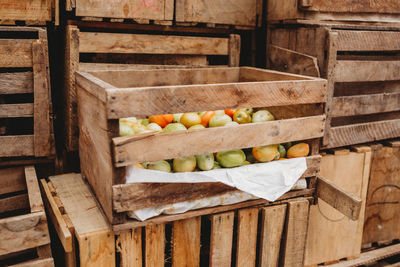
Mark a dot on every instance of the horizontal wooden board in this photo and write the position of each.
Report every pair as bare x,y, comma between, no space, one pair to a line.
16,145
96,42
16,110
351,6
367,41
365,104
12,180
16,202
16,82
15,53
36,10
363,133
139,148
135,196
366,71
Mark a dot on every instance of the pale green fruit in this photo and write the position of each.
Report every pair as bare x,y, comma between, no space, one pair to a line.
219,120
177,117
154,127
145,122
187,164
125,129
161,165
174,127
231,158
197,126
262,116
205,162
282,151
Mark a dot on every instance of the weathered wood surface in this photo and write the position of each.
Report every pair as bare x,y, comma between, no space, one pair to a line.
16,110
15,53
367,40
135,149
12,180
234,12
48,262
221,239
17,145
366,71
153,10
186,242
16,82
246,243
363,6
34,10
155,245
35,198
16,202
129,246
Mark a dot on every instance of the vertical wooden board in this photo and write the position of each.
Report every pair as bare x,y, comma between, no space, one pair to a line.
41,112
221,239
295,233
155,245
272,224
382,214
35,198
246,237
129,245
234,50
97,249
331,235
186,242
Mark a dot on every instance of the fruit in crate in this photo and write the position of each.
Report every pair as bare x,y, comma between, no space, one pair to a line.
231,158
265,153
282,151
161,165
262,116
125,129
205,162
229,112
162,120
174,127
177,117
219,120
231,123
190,119
241,116
197,126
187,164
298,150
206,117
154,127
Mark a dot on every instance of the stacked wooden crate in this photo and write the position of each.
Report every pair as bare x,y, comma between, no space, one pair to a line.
28,12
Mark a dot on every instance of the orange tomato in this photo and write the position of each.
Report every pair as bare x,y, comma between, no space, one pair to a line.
162,120
298,150
229,112
282,158
205,119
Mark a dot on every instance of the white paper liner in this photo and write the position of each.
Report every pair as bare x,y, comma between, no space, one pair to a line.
264,180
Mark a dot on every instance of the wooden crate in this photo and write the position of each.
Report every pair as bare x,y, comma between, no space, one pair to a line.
101,103
382,213
24,234
244,14
331,236
32,12
140,11
341,11
90,51
26,128
266,234
361,66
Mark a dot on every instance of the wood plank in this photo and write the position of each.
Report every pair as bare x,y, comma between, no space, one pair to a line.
16,110
49,262
155,245
35,198
135,149
129,245
41,118
93,42
186,242
376,6
294,241
367,40
153,10
16,82
365,104
97,249
366,71
57,220
15,53
23,232
37,10
221,239
272,224
12,180
246,245
12,203
363,133
234,46
16,145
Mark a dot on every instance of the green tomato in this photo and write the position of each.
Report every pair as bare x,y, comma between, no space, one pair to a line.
174,127
125,129
262,116
219,120
187,164
205,162
282,151
154,127
241,116
231,158
197,126
161,165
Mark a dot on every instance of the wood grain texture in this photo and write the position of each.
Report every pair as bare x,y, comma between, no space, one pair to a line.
36,10
48,262
16,82
153,10
12,180
367,40
135,149
16,110
17,202
15,53
363,6
246,242
155,245
221,239
294,241
383,209
16,145
35,198
272,225
92,42
366,71
129,245
186,242
234,46
97,249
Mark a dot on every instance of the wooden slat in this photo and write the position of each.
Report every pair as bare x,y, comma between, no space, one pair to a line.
365,104
129,245
377,6
363,133
135,149
12,180
35,198
91,42
16,110
17,202
366,71
295,233
246,245
49,262
23,232
16,82
16,145
136,196
41,123
234,50
186,242
221,239
272,224
155,245
367,41
15,53
97,249
35,10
